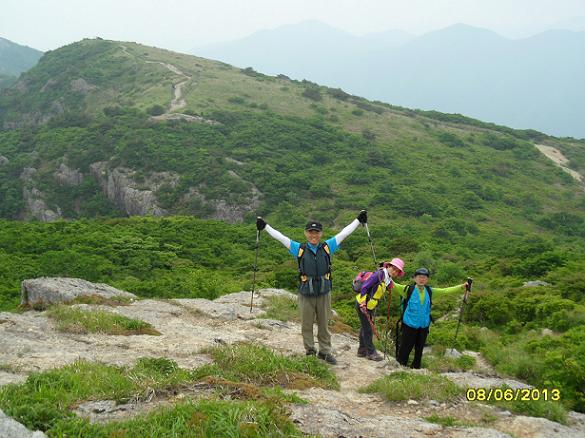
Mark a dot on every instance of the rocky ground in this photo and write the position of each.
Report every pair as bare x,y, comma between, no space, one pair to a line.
29,343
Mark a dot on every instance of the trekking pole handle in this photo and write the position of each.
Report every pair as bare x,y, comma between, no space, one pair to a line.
467,288
255,268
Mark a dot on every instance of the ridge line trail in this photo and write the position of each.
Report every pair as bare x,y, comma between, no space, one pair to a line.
178,101
557,157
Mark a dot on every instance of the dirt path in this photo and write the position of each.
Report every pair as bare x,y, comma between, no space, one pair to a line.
29,343
178,100
560,160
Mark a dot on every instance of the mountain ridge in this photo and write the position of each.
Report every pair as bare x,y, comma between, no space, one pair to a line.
398,74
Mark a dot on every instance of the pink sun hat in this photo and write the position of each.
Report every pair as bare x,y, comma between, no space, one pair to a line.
397,263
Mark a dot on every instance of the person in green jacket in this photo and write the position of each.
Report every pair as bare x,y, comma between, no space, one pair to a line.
416,314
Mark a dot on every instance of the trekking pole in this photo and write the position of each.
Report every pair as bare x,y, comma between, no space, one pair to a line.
387,324
372,325
371,244
465,296
255,268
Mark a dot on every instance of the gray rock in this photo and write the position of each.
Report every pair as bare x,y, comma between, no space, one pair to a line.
82,86
135,199
536,283
539,428
10,428
332,422
452,352
474,380
3,160
224,210
546,332
68,177
47,290
36,206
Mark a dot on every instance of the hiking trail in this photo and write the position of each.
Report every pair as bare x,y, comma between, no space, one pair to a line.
178,99
29,342
560,160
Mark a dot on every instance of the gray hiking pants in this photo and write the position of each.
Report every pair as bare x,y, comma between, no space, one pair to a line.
319,308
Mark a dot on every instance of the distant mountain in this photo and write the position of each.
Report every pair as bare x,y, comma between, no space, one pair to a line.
576,24
308,50
535,82
101,128
15,59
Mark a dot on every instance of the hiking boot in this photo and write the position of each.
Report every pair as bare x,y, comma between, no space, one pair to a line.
375,356
311,352
362,352
327,358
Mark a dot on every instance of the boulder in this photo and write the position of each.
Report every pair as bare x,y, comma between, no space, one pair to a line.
10,428
45,290
536,283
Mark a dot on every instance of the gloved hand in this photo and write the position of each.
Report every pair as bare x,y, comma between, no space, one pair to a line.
260,223
363,217
363,307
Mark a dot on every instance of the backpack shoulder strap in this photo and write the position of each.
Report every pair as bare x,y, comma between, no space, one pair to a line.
328,254
302,249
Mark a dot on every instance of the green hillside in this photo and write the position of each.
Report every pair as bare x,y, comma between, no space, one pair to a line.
89,134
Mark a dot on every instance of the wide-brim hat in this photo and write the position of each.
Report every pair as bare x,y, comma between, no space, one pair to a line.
397,263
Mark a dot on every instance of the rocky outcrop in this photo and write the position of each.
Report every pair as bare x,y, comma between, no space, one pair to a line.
42,291
36,118
224,210
29,342
540,428
186,117
80,85
233,306
10,428
48,85
536,283
135,199
3,160
34,201
67,176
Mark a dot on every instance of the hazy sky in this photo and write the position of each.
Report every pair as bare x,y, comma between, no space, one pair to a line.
182,24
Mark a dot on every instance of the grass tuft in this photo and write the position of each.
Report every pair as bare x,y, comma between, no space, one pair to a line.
445,364
260,365
447,421
205,418
403,385
281,308
79,321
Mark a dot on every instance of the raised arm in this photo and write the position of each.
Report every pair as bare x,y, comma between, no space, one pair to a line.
291,245
278,236
336,240
339,237
449,290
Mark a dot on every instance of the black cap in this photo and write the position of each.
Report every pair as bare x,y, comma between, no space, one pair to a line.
313,225
422,271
